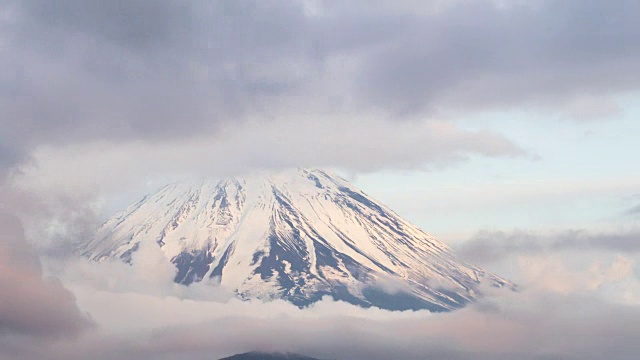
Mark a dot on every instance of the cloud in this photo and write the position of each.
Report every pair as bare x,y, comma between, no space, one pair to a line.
129,24
99,95
8,158
633,211
491,246
553,274
523,325
141,314
113,77
593,108
478,54
361,147
83,71
30,304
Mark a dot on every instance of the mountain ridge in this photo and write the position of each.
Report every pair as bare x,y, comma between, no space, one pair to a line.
296,235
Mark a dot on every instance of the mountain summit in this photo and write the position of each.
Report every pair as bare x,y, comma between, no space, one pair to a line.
255,355
296,235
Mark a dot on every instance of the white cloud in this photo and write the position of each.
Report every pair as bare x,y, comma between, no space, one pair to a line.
358,144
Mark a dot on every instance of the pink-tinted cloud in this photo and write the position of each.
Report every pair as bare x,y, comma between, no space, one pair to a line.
30,304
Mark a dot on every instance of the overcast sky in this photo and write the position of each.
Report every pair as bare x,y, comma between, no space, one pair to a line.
509,124
490,97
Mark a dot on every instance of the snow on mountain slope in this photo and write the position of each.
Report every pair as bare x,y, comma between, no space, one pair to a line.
296,235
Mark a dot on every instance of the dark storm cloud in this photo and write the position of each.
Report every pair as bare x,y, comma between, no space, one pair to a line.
77,70
490,246
29,304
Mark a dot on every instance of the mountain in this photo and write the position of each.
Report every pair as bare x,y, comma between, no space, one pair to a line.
296,235
267,356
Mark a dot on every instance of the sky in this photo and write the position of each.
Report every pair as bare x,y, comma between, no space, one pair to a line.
507,129
580,175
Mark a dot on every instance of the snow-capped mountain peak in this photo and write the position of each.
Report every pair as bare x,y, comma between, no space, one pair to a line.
296,235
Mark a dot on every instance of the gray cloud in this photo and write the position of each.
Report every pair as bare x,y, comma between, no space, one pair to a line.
146,77
131,24
478,54
155,70
535,326
8,158
29,304
144,69
491,246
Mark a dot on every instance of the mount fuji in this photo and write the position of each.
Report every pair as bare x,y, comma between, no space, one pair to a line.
296,235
